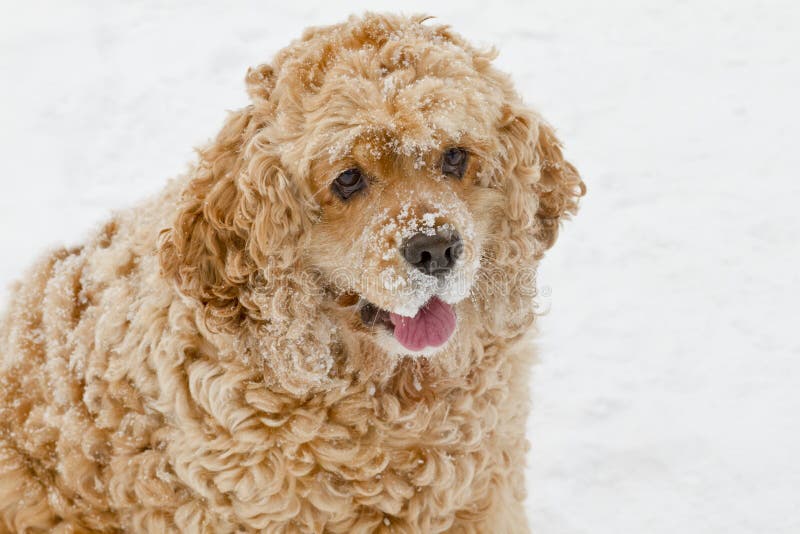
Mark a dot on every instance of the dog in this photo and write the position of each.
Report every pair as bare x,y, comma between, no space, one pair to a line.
321,327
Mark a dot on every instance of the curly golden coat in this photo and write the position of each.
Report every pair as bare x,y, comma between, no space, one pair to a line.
199,365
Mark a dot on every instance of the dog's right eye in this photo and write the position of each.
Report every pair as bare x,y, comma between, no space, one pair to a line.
454,162
348,183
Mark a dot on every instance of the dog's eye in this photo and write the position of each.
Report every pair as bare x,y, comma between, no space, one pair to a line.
348,183
454,162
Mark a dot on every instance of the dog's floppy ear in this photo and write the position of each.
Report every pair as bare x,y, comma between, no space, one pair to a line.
542,188
206,249
539,190
559,186
234,247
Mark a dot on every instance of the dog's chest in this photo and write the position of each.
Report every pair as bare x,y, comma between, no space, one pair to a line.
377,454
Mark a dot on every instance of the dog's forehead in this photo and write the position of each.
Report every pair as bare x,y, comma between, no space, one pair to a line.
404,92
400,114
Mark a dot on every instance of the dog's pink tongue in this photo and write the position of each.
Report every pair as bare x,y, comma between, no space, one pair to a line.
432,326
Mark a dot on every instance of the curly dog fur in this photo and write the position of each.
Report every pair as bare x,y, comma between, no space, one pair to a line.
199,365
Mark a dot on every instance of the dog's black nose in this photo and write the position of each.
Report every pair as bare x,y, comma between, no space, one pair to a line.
433,254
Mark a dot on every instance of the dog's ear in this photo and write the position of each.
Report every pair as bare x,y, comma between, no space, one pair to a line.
559,186
539,189
205,250
542,188
234,247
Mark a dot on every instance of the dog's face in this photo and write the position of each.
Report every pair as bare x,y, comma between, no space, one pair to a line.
402,141
399,237
390,159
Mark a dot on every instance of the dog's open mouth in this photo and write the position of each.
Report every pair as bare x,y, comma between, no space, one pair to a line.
431,327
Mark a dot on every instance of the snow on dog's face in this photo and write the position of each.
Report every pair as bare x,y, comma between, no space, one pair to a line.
386,188
410,147
398,136
400,238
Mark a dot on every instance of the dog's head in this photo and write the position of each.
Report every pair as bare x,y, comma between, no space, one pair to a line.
385,191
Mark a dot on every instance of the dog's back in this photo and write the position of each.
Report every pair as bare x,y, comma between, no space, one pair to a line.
75,335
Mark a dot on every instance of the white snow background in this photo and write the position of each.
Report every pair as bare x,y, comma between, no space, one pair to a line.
668,394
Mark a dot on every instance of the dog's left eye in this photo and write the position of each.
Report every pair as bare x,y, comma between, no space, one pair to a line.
348,183
454,162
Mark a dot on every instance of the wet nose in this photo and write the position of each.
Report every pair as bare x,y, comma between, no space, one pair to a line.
433,254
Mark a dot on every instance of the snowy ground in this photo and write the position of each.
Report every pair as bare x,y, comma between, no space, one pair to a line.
667,399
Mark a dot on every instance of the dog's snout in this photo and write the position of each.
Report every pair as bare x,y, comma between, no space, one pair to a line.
433,254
